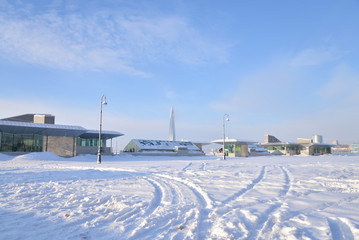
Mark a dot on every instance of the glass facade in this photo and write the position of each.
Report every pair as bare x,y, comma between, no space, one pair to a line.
239,149
20,142
90,142
232,148
295,148
229,148
321,150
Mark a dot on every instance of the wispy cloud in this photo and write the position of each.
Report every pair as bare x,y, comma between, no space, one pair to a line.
109,39
342,87
268,89
132,127
315,56
279,93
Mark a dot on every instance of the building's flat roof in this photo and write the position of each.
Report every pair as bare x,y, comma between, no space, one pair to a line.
234,141
318,144
279,143
104,134
53,130
41,129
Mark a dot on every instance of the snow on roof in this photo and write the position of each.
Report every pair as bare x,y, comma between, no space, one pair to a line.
279,143
40,128
319,144
164,144
256,147
104,134
234,141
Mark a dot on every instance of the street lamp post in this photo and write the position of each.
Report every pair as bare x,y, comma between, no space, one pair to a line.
225,118
103,102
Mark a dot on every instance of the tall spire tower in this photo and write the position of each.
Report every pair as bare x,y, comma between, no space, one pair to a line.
172,135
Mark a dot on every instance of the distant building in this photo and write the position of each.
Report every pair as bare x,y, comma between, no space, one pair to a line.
39,133
200,145
276,147
304,140
257,150
234,147
355,148
341,148
316,149
317,138
304,146
162,148
345,148
315,146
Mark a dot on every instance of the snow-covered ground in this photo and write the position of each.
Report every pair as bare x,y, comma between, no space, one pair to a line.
43,196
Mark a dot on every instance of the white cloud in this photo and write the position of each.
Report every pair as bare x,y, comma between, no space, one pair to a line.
266,90
343,86
132,127
273,100
110,39
315,56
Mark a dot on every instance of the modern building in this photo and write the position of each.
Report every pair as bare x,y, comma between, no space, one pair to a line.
200,145
162,148
341,148
314,146
276,147
39,133
233,147
355,148
257,150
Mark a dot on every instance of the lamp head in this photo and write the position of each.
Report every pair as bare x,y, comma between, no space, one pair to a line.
104,101
226,116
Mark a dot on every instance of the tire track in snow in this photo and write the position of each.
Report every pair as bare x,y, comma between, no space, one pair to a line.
173,210
225,209
152,207
319,208
205,204
201,195
247,188
187,166
203,166
340,229
268,218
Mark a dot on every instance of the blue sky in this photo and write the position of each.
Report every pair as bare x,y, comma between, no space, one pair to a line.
287,68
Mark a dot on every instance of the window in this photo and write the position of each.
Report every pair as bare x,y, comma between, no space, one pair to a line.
6,142
239,149
229,148
20,142
28,142
38,143
18,145
90,142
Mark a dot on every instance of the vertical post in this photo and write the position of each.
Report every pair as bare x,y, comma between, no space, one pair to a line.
74,146
103,102
225,118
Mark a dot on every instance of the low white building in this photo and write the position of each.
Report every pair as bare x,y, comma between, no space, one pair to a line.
162,148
